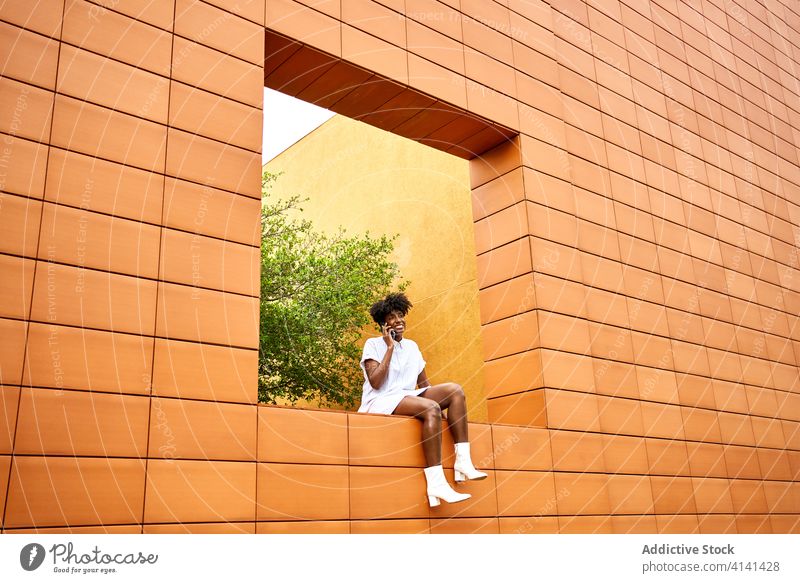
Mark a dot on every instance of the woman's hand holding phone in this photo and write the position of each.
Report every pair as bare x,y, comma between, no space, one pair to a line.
388,335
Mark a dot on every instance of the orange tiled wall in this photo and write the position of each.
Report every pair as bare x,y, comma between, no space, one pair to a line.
637,251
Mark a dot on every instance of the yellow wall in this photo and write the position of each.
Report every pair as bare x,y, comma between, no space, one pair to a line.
363,178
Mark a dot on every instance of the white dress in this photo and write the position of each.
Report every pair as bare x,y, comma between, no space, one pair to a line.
406,364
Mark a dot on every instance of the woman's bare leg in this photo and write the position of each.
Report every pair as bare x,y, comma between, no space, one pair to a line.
450,396
431,415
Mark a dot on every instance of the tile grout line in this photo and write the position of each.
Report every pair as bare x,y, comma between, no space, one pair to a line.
33,282
158,272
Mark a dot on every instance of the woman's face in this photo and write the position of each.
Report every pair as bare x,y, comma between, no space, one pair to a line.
395,321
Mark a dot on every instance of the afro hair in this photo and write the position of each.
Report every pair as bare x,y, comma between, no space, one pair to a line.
395,302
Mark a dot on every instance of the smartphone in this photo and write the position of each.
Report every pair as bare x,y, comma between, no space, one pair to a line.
392,333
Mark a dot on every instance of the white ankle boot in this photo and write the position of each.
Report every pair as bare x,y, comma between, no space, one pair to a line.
463,465
438,488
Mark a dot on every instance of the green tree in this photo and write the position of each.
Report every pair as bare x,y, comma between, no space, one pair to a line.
315,296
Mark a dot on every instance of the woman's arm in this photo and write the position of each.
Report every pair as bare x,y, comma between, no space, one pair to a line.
376,372
422,380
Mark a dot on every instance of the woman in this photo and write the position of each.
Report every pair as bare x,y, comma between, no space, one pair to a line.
393,369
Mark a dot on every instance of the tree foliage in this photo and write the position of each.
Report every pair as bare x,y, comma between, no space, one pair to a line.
316,291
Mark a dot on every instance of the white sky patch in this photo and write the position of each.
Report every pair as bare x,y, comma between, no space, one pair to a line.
286,120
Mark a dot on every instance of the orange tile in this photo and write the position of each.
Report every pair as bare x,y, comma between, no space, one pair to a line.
560,295
490,72
16,286
510,336
96,241
700,424
634,524
77,358
497,194
424,40
385,441
208,211
615,378
302,492
19,220
203,113
9,401
60,491
438,15
27,56
753,524
630,495
492,105
103,81
496,162
26,110
504,263
662,420
782,524
500,228
507,299
532,525
220,30
657,385
741,462
111,135
201,528
748,497
202,371
215,264
485,27
374,54
45,19
78,423
620,416
94,299
304,527
187,429
774,464
582,493
25,169
380,492
521,448
625,455
736,429
465,526
572,410
302,69
782,497
526,408
302,436
96,185
667,457
677,524
585,525
112,529
199,66
187,313
673,495
200,491
299,22
525,493
575,450
212,163
12,348
513,374
563,333
107,32
408,526
717,524
5,466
